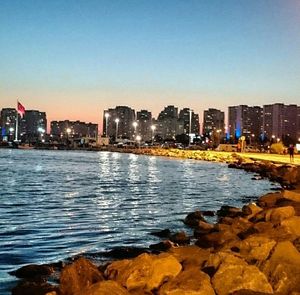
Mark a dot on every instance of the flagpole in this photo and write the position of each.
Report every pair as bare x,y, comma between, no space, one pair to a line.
17,123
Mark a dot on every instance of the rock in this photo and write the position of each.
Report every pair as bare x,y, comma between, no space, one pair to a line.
277,215
286,202
292,225
180,238
291,195
33,270
208,213
33,288
203,228
283,268
229,211
215,239
233,277
145,272
192,281
193,219
105,288
166,233
256,248
125,252
190,256
162,246
269,200
251,209
78,276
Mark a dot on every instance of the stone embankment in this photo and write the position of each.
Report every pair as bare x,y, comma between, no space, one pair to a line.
249,250
253,250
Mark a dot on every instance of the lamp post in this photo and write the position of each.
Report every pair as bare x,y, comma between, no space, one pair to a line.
190,125
153,127
117,125
68,134
134,124
11,130
41,131
106,122
138,139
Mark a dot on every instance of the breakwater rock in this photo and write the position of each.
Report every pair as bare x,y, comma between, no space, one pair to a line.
249,250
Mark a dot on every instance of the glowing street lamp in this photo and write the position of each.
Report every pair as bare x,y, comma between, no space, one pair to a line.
106,122
138,139
41,130
134,124
153,127
117,125
190,125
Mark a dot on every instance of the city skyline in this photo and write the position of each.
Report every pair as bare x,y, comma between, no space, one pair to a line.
79,58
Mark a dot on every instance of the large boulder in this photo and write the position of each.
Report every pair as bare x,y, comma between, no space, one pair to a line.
292,225
78,276
283,268
33,271
192,281
256,248
180,238
233,277
276,215
190,256
269,200
291,195
250,210
145,272
229,211
33,288
105,288
193,219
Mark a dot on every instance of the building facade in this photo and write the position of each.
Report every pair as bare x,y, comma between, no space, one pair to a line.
123,127
186,118
144,121
8,123
33,126
73,129
280,121
245,121
213,119
167,122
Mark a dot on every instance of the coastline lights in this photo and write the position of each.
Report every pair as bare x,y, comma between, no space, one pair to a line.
117,125
106,115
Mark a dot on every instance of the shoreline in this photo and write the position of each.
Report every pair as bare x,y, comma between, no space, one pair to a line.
244,242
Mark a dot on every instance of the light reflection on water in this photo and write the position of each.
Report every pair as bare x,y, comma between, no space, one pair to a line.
55,204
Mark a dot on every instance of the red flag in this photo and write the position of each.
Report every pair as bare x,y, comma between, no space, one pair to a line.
21,109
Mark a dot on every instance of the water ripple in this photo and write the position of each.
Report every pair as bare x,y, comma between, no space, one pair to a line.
55,204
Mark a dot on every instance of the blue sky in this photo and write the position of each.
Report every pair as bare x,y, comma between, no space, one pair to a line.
72,59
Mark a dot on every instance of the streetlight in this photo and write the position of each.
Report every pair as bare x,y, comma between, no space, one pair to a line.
190,125
138,139
134,124
117,125
41,130
153,127
68,134
11,130
106,122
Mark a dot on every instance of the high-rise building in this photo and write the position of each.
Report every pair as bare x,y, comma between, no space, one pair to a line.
167,122
186,116
33,125
8,123
144,120
213,119
245,121
125,116
73,129
280,120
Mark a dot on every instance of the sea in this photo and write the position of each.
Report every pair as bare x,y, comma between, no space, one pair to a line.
55,205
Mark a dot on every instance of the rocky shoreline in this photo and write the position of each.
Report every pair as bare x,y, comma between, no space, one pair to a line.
249,250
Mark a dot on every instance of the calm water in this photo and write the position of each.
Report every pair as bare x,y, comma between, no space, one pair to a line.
56,204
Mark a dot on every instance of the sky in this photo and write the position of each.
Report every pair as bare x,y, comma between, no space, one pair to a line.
73,59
